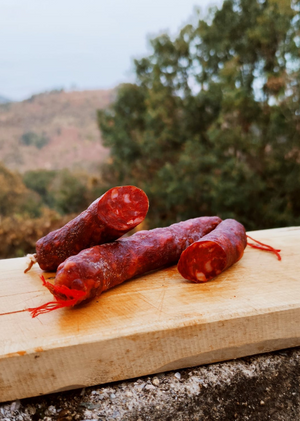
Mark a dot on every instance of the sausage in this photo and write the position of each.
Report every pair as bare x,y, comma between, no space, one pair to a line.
115,213
102,267
212,254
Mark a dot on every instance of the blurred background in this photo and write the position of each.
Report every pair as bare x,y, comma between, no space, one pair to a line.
197,103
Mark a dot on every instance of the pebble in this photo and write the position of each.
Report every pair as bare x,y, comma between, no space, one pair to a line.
51,410
155,381
88,414
140,387
150,387
177,375
15,405
31,410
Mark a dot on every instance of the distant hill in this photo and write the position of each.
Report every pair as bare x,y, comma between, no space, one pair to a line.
4,100
53,130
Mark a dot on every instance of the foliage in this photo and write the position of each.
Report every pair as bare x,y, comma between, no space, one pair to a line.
38,203
212,124
39,181
69,192
15,197
34,139
63,191
18,233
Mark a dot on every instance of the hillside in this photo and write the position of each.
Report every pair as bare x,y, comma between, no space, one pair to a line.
4,100
53,130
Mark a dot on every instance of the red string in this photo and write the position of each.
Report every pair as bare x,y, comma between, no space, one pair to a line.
65,297
264,247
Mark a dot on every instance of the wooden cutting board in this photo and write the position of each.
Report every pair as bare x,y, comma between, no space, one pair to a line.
152,324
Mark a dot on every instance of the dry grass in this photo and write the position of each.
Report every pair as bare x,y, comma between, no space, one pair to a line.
67,119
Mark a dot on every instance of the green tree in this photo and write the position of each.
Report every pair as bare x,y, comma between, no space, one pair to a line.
40,182
212,124
38,202
15,198
37,140
69,192
62,190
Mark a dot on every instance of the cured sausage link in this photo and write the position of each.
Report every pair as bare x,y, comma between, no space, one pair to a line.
99,268
116,212
217,251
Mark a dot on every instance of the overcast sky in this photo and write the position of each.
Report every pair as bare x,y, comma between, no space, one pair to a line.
81,44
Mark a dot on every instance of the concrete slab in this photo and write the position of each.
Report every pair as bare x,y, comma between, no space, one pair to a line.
258,388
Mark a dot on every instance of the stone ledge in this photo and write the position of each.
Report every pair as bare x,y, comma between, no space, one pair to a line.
260,388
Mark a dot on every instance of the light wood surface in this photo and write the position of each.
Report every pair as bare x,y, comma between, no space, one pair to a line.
155,323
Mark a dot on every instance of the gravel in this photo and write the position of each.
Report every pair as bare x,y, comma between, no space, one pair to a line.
260,388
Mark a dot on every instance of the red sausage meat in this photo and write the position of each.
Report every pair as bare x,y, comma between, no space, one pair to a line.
217,251
102,267
116,212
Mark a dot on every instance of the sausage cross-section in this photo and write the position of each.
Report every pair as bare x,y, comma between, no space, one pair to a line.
102,267
212,254
115,213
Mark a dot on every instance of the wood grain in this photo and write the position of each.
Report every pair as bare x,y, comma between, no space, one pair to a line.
155,323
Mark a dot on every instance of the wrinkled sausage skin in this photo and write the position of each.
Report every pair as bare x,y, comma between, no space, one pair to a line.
116,212
99,268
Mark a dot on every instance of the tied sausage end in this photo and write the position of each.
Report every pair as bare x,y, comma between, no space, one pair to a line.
64,296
